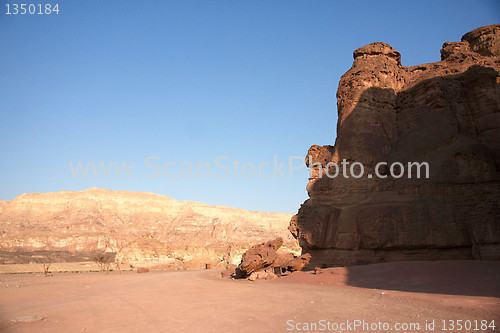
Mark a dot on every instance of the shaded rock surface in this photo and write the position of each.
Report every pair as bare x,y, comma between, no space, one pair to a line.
138,226
445,113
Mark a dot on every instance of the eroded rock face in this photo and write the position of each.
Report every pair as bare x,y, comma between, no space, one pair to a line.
446,114
138,226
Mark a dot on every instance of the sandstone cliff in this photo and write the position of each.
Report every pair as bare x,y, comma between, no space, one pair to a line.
446,114
139,226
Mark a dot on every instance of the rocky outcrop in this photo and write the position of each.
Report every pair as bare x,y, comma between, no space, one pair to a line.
258,257
259,262
138,226
297,264
446,114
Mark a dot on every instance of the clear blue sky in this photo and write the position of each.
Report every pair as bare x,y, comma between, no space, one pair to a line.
188,81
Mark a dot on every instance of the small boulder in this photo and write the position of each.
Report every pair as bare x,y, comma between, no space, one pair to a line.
142,270
258,257
282,259
297,264
262,275
270,274
318,270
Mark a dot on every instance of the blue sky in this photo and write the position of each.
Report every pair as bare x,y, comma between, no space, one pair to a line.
186,82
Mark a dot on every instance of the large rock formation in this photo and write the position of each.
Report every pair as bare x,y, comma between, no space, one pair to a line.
446,114
139,226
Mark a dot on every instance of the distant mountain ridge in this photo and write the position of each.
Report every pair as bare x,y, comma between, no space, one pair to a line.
125,222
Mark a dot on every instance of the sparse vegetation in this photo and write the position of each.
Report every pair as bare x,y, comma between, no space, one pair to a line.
46,271
47,260
104,261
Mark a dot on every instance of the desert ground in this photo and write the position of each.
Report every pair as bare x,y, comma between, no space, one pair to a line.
202,301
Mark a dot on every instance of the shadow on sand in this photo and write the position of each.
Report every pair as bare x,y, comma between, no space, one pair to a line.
461,277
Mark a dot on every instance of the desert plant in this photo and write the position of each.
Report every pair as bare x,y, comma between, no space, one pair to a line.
99,260
104,261
46,261
46,267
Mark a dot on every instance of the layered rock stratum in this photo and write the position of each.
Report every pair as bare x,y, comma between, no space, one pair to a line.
445,113
138,226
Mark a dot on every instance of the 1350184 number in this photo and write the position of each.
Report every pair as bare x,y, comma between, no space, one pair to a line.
31,9
467,325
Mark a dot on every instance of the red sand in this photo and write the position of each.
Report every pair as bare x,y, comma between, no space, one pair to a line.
201,301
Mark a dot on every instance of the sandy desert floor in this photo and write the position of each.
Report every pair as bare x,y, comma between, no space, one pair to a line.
200,301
